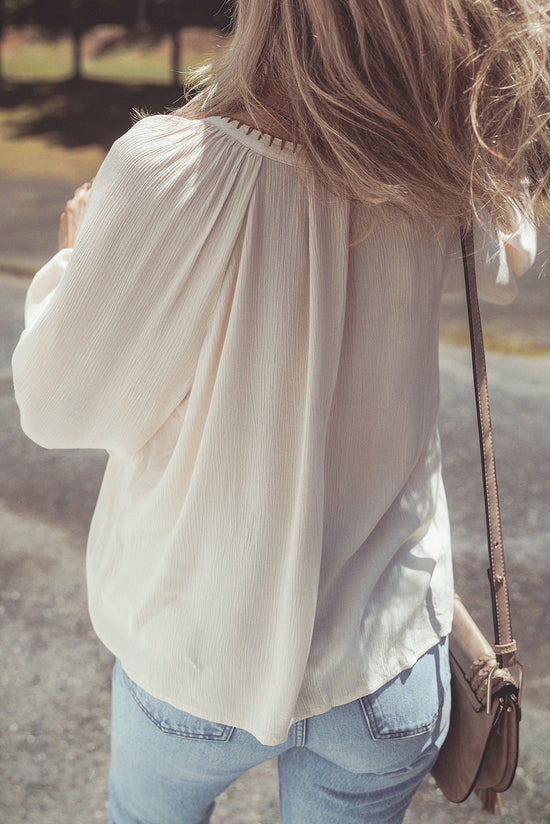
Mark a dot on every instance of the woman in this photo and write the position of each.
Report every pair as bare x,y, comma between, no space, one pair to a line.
248,324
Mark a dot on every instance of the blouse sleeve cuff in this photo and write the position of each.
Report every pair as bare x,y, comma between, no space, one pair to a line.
521,247
43,286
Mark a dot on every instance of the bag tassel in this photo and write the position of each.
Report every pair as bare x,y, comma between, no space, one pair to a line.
490,800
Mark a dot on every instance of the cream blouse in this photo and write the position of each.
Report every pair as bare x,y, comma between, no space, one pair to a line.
271,538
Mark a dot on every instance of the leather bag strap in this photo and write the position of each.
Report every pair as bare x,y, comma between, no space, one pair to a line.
505,645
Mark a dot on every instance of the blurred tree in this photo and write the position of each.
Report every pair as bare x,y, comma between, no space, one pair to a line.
141,17
9,9
78,16
60,16
170,16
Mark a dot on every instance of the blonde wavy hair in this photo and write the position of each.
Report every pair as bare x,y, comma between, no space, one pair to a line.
438,107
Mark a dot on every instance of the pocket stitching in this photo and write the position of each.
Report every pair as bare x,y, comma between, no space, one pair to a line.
370,713
223,736
370,718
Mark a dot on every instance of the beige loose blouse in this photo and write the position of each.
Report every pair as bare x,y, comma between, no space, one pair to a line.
271,538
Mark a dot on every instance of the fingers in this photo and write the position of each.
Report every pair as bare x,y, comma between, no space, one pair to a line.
84,187
81,194
63,232
72,214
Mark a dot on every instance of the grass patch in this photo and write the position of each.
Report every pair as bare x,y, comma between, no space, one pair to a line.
62,130
19,274
495,342
23,154
29,58
108,53
52,60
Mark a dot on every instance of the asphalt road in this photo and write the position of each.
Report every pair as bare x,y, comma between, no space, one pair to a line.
54,714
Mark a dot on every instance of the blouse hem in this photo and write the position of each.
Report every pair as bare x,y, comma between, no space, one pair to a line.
275,739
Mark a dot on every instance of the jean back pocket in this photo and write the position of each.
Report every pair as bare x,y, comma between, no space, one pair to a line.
173,721
410,704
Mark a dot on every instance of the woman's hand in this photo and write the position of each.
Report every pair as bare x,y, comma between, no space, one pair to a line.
72,215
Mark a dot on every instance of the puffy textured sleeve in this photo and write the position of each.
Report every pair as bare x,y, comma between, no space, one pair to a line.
500,259
113,330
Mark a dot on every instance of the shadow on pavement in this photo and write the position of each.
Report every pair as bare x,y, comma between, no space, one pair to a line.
76,113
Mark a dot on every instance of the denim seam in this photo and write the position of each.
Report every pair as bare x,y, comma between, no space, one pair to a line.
300,733
224,735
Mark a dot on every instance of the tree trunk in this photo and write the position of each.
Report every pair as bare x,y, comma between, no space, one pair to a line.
76,36
178,15
176,57
141,16
77,55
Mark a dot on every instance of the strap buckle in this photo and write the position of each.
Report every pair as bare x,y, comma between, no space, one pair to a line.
519,685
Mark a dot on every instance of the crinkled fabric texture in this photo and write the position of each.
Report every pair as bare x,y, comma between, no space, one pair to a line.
271,538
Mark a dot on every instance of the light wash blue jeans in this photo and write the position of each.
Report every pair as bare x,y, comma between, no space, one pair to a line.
360,762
